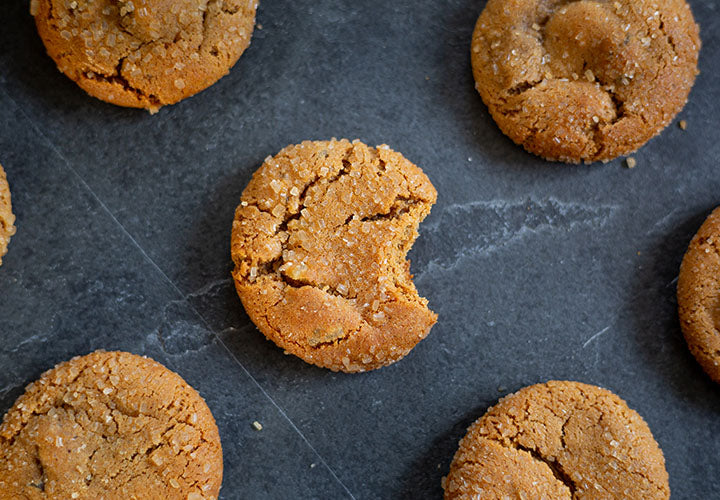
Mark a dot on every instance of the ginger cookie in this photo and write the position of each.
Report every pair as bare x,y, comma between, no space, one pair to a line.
110,425
585,80
7,219
319,243
699,295
558,440
144,53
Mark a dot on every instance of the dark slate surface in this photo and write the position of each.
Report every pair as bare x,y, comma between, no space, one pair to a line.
538,271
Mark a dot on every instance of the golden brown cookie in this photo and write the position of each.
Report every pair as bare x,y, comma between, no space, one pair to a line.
144,53
558,440
584,80
699,295
7,219
319,243
110,425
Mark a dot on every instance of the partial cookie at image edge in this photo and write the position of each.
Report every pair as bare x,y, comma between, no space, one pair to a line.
698,295
559,439
145,56
110,422
7,218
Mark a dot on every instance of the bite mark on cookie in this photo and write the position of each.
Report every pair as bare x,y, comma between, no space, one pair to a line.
325,228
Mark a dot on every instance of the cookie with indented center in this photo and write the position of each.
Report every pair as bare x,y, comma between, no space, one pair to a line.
699,295
144,53
319,243
7,219
584,80
110,425
558,440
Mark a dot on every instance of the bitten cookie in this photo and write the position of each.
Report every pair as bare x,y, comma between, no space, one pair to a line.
558,440
110,425
699,295
7,219
319,243
584,80
144,53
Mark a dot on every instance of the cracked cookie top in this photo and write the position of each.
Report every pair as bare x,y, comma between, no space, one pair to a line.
584,80
699,295
319,243
110,425
559,440
144,53
7,219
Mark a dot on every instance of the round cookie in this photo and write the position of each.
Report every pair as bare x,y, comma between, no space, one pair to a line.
584,80
319,243
699,295
110,425
144,53
7,219
558,440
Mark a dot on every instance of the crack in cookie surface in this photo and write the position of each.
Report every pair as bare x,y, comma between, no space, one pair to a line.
584,80
320,243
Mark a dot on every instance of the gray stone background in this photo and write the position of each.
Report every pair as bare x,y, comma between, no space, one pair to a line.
538,271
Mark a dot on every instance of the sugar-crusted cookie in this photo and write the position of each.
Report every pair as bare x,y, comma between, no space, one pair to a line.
558,440
7,219
699,295
584,80
110,425
319,243
144,53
